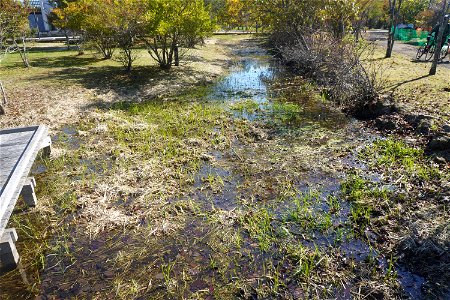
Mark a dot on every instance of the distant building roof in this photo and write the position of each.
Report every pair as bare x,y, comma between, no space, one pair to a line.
35,3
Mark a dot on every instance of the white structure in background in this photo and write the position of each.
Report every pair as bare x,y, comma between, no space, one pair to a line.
38,17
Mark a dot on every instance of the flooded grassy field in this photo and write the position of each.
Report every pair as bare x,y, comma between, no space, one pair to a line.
254,187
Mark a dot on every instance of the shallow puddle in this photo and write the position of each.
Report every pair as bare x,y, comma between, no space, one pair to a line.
69,136
247,80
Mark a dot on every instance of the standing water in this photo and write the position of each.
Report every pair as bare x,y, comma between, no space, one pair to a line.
262,218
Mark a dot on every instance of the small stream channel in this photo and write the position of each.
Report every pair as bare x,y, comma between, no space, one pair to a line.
302,150
250,80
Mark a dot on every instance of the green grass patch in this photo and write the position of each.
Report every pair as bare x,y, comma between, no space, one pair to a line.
397,155
247,106
258,225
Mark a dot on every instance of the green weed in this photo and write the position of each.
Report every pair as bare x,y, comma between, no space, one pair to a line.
333,203
285,112
166,270
248,106
258,224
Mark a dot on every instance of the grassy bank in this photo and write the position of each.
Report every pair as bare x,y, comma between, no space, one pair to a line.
408,81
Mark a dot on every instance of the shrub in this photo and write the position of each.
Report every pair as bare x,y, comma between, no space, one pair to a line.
335,65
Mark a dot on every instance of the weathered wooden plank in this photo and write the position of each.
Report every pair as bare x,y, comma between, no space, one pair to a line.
18,150
12,147
27,193
9,257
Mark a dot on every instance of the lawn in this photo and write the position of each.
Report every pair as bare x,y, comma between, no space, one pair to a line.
411,86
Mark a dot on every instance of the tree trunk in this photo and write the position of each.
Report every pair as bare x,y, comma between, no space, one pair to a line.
342,29
25,56
79,43
129,63
4,100
175,53
390,42
357,32
22,52
67,38
437,52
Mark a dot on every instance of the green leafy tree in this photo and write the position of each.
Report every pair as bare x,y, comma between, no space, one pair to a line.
411,9
173,23
91,20
99,24
376,16
70,18
163,25
126,22
339,15
13,27
217,8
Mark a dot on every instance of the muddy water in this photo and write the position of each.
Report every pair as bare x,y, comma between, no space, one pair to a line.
299,146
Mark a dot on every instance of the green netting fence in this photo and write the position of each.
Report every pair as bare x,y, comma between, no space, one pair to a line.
418,37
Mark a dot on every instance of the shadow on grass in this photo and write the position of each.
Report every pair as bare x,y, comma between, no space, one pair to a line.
392,88
430,61
67,60
37,49
105,79
63,62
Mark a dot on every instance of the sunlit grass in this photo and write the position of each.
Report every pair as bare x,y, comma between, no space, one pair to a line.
411,85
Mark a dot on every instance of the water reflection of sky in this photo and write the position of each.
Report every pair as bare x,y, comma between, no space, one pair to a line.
246,80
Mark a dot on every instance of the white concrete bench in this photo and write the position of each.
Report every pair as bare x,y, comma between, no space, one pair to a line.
18,150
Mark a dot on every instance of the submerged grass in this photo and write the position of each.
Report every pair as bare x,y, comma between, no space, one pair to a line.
397,156
128,213
407,198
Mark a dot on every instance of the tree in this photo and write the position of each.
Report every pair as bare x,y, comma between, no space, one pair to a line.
339,15
411,10
171,23
13,26
231,16
125,22
367,13
70,17
443,22
376,16
53,17
100,24
394,8
217,9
